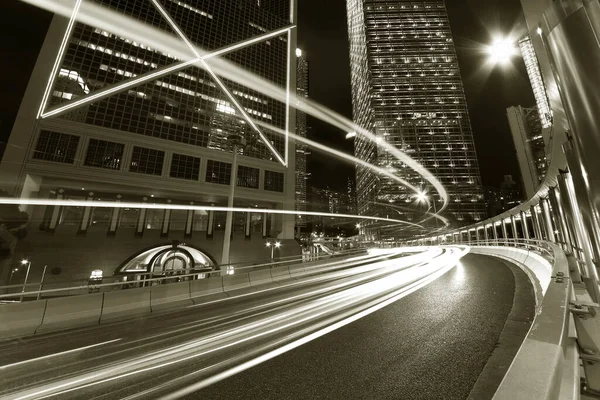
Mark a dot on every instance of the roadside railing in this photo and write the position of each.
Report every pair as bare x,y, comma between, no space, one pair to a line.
145,279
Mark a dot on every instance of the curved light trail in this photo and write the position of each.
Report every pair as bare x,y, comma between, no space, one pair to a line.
101,17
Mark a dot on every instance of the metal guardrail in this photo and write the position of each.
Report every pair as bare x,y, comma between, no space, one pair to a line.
88,288
563,335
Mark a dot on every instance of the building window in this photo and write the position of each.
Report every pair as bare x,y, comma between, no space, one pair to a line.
247,177
218,172
274,181
147,161
58,147
104,154
185,167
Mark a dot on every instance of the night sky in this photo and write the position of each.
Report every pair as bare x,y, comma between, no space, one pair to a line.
322,35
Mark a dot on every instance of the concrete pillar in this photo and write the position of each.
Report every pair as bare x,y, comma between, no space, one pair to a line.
548,220
247,234
141,222
537,231
524,225
504,231
211,224
55,218
477,234
86,216
166,223
189,222
265,231
486,234
494,232
114,218
558,214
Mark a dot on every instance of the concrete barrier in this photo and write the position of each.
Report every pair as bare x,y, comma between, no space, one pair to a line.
69,312
21,319
236,281
126,303
201,288
280,273
170,295
297,271
260,277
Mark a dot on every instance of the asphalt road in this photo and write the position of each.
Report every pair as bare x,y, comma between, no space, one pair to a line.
432,343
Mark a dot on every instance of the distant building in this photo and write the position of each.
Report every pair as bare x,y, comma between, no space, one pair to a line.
501,199
301,130
120,121
331,201
407,90
526,129
537,83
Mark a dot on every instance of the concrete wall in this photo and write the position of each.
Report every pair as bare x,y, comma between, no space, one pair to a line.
78,255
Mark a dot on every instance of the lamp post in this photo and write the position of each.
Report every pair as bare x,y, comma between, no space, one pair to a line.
24,262
272,246
235,140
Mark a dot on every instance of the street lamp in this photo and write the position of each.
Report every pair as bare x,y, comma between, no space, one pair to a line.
28,263
423,198
272,246
501,50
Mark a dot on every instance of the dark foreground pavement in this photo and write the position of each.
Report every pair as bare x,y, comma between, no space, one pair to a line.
432,344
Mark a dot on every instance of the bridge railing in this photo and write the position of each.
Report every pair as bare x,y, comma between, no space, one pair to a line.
142,280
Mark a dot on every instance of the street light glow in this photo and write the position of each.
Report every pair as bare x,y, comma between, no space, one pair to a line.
23,262
268,244
501,50
422,197
277,244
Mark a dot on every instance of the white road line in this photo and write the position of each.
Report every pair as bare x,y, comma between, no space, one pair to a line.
62,353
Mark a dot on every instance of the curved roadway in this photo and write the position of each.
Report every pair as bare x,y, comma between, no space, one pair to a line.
418,337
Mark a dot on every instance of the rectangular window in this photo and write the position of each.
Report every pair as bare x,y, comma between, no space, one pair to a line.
147,161
185,167
104,154
58,147
247,177
218,172
274,181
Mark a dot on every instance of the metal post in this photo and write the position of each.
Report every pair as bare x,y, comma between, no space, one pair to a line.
26,276
561,224
537,231
548,220
495,233
513,226
504,231
229,218
42,282
524,225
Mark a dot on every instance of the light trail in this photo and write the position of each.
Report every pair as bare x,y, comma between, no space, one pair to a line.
163,206
391,280
95,15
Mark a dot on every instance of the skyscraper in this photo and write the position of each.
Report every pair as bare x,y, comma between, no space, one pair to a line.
123,121
301,130
526,129
407,90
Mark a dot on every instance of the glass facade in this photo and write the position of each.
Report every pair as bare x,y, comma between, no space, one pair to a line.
57,147
537,83
185,167
146,161
247,177
186,106
407,90
103,154
274,181
218,172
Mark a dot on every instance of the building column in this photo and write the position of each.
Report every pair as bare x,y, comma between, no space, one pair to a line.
494,232
524,225
114,218
548,220
211,224
265,232
477,234
55,218
189,222
247,234
166,222
537,231
504,232
141,222
559,220
86,216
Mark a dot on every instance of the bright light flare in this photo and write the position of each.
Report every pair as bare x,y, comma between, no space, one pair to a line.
502,50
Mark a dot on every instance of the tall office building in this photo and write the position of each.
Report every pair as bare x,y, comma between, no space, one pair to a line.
123,121
407,90
301,130
526,129
537,83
